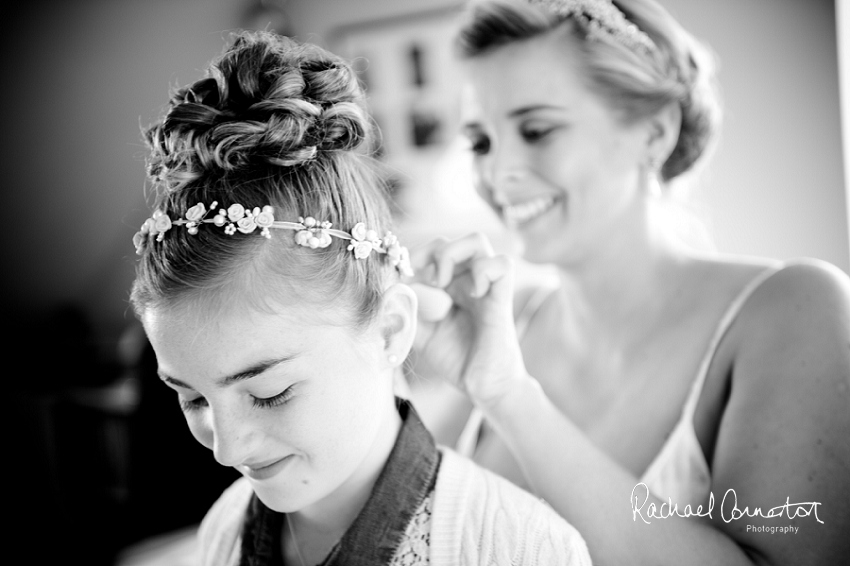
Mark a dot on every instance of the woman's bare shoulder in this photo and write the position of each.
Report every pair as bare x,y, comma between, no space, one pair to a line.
784,288
794,324
787,419
804,299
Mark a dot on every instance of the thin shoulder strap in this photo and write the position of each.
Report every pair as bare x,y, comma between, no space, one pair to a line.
728,318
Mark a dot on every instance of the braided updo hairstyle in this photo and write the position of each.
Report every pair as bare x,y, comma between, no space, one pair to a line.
275,122
636,84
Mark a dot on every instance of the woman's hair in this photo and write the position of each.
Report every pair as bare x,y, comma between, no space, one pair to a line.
635,82
275,123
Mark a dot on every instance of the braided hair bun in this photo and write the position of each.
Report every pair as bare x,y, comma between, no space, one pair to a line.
268,101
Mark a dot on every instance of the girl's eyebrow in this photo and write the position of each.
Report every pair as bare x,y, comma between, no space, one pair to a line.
252,371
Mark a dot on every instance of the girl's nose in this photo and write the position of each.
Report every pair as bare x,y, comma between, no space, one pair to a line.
233,437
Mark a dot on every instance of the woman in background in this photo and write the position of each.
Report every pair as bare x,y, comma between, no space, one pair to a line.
652,373
269,286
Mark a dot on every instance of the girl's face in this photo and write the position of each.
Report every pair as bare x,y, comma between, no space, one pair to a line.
300,407
551,158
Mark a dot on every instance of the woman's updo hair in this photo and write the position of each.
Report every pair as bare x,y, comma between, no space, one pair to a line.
278,123
637,83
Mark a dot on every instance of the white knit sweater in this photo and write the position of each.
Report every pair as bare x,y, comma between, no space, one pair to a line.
478,518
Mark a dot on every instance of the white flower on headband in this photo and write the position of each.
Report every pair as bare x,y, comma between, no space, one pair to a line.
196,213
309,232
314,234
361,242
265,218
161,223
235,212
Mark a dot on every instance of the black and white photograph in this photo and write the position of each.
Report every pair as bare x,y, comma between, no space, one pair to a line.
427,282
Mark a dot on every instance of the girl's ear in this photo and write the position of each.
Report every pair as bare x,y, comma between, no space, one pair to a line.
398,323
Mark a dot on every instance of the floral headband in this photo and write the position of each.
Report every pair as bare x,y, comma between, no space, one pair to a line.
309,232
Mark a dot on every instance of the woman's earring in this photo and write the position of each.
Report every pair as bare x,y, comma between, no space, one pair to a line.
393,359
653,170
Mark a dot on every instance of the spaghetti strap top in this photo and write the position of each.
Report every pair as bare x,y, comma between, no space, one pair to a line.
679,470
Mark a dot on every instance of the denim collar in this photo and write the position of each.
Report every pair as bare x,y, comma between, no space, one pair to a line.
408,477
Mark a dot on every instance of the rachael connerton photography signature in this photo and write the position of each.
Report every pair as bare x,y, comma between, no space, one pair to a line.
729,510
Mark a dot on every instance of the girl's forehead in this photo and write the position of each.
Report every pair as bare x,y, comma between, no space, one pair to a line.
196,349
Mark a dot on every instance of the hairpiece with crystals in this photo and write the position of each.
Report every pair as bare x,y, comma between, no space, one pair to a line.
309,232
600,18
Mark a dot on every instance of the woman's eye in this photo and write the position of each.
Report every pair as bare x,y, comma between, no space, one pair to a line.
274,401
192,404
535,134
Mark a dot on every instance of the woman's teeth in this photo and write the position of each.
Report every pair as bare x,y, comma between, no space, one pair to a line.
516,214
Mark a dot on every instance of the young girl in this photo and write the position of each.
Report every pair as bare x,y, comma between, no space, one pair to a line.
269,288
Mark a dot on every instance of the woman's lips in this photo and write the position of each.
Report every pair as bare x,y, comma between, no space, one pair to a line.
525,212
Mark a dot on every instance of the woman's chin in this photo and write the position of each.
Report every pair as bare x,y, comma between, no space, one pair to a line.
538,254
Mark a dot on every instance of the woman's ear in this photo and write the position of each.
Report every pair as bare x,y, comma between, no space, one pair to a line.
664,128
398,323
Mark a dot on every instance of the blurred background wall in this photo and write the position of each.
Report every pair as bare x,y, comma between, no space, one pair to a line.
79,78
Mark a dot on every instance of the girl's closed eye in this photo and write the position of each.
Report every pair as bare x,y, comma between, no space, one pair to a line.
193,404
274,400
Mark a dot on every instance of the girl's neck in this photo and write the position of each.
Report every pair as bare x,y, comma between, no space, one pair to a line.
311,533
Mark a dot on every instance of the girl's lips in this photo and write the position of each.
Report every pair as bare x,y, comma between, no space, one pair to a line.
267,471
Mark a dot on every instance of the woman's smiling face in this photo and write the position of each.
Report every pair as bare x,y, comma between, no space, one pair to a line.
553,160
295,404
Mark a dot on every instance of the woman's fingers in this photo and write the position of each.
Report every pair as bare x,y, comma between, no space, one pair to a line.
456,256
422,260
448,258
487,271
434,303
487,282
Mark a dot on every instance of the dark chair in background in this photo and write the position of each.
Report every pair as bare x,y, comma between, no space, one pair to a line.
100,454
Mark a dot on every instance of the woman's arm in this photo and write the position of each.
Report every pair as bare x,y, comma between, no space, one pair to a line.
783,439
785,433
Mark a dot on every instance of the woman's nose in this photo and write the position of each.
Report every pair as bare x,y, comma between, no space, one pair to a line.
506,171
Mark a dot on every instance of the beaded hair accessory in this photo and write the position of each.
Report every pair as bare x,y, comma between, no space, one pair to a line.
309,232
600,18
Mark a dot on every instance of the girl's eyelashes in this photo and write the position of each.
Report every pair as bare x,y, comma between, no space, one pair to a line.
274,401
188,405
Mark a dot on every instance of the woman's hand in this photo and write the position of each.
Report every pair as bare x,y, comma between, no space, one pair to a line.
474,346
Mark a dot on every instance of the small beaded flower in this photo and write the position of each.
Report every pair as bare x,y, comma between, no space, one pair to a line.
309,232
